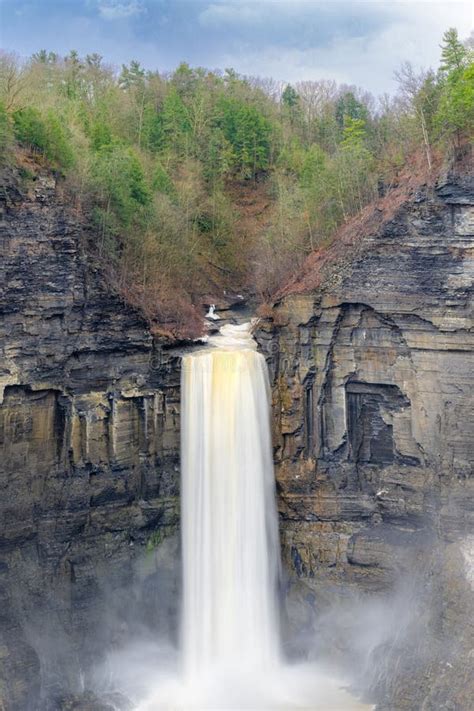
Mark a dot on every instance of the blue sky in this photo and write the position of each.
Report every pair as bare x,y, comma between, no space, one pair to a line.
354,42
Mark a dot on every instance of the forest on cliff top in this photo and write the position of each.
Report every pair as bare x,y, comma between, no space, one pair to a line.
203,182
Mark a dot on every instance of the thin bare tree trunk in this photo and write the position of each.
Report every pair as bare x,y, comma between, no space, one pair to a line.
426,139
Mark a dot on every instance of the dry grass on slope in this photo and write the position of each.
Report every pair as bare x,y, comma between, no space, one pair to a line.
347,242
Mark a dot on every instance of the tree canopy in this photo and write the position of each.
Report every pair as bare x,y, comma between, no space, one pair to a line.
163,164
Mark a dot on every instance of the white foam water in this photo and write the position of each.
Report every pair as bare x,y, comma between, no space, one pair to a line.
229,532
230,633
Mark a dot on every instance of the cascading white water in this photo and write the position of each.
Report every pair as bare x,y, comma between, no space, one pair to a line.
229,528
230,640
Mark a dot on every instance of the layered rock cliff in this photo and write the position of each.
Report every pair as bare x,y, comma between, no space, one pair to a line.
89,453
371,358
373,427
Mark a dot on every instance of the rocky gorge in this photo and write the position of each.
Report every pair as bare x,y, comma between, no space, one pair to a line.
371,365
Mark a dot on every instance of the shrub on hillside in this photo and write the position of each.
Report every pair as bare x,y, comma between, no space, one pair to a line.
44,133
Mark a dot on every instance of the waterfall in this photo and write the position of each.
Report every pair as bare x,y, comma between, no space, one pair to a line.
229,522
230,638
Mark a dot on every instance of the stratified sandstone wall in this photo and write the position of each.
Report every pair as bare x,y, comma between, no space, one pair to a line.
89,447
374,422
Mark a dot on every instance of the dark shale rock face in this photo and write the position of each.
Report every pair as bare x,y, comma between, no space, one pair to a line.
89,445
373,425
374,434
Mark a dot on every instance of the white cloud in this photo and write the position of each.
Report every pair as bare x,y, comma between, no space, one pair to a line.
413,32
116,10
230,13
241,12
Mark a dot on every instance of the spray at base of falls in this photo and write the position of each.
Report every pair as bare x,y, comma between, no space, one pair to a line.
230,628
